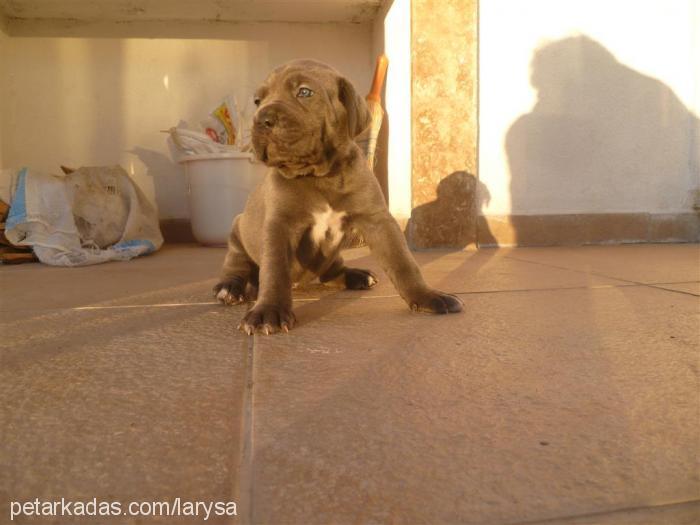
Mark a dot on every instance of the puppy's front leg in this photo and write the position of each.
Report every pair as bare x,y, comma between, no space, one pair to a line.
388,244
273,309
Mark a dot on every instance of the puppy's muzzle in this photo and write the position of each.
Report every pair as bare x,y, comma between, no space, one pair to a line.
274,117
266,118
276,124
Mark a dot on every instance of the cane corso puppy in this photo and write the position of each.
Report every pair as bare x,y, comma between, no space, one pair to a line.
317,195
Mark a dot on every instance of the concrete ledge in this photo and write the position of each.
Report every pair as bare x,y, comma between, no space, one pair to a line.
541,230
578,229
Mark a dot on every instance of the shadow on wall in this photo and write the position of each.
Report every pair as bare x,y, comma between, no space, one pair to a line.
601,138
168,177
450,221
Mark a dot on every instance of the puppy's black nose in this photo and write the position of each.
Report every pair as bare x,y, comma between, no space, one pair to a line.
266,117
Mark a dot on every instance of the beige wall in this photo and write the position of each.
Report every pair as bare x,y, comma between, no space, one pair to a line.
581,111
589,106
99,94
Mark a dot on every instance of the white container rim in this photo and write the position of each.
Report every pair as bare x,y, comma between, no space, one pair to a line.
216,156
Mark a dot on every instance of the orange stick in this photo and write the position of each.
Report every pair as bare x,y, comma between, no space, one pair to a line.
374,104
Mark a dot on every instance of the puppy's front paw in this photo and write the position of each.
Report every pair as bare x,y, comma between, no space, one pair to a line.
436,302
268,319
230,291
357,279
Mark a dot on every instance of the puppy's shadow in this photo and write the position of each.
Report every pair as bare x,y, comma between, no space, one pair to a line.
450,221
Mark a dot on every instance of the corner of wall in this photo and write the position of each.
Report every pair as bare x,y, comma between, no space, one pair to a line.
3,49
695,128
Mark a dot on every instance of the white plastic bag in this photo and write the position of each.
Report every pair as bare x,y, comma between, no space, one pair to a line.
183,142
92,215
224,130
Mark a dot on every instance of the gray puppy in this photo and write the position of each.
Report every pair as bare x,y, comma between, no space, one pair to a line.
317,196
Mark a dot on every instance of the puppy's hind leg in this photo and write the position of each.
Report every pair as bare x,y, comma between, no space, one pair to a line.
238,271
351,278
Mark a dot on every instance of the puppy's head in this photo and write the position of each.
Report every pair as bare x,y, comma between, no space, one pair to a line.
307,117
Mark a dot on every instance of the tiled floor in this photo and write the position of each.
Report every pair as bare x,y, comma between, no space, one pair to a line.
567,393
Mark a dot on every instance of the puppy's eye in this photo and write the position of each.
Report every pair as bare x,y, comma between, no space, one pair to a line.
256,101
304,92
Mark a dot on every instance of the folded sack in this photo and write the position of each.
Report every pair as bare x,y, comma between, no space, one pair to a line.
90,216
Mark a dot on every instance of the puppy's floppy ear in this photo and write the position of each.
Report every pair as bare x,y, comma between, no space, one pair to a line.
358,117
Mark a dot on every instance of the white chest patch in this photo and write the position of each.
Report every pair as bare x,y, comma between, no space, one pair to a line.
328,226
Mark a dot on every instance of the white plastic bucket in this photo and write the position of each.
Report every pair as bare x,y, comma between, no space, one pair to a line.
218,187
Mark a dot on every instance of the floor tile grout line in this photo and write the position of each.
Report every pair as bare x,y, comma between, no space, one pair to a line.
552,289
603,513
245,473
596,274
673,282
659,286
623,284
567,288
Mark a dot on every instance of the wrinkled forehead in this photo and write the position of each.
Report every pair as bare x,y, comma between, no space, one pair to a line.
302,72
